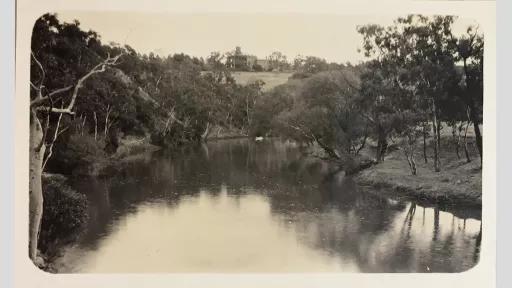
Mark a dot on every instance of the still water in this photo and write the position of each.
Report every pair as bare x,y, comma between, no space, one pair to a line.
240,206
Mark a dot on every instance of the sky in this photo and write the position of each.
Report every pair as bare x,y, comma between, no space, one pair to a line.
333,37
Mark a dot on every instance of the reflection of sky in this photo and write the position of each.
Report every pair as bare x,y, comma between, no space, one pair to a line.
206,234
240,234
240,207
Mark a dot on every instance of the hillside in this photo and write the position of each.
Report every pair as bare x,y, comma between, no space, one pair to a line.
271,79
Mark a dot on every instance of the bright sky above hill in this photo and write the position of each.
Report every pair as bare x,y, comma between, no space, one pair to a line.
332,37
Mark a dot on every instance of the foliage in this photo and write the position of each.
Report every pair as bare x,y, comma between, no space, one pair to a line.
414,70
64,214
272,103
79,154
278,61
325,113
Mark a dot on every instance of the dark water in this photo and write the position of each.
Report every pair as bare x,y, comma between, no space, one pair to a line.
240,206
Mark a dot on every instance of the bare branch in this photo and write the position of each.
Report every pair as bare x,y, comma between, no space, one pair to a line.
101,67
40,67
41,99
55,135
55,110
61,90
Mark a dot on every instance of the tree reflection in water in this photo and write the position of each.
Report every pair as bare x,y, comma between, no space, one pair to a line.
323,210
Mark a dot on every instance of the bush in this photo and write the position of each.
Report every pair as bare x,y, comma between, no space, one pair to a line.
81,154
257,68
64,215
301,75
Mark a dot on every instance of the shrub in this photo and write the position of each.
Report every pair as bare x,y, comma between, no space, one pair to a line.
257,68
64,215
81,154
301,75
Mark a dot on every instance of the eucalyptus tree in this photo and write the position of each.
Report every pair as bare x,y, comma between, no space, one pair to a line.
325,114
63,59
421,50
470,50
278,61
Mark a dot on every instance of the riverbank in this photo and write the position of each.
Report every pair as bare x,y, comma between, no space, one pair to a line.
65,209
458,182
131,148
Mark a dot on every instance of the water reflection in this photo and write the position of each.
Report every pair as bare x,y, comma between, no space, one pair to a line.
237,206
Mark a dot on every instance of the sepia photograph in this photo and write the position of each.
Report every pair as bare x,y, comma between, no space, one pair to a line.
255,143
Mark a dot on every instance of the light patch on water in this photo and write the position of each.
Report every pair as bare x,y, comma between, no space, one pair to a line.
205,234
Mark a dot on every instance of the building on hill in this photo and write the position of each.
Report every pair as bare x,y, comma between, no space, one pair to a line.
237,60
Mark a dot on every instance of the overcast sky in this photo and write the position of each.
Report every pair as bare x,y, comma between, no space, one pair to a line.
332,37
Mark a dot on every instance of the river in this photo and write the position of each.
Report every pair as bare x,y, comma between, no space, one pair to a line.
235,206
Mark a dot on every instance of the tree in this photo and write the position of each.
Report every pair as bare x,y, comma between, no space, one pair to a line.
378,102
278,61
313,65
470,49
326,114
420,51
47,100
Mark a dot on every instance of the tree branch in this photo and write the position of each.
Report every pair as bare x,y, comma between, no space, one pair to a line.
40,100
50,147
101,67
55,110
40,67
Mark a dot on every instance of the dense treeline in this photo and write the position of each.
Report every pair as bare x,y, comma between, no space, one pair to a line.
171,100
87,96
419,79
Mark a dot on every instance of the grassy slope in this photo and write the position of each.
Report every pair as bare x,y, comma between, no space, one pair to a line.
458,180
271,79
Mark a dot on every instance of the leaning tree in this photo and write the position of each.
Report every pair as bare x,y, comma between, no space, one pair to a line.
41,109
63,58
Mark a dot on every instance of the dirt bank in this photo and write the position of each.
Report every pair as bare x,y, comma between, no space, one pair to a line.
459,182
130,148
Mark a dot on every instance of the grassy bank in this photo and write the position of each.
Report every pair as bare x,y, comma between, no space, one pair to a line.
458,182
271,79
132,147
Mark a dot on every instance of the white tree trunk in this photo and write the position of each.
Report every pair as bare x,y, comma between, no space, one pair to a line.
95,126
35,185
206,132
37,146
435,130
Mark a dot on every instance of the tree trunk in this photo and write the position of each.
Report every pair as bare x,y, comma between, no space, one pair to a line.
472,112
382,146
204,136
412,163
247,111
478,134
456,140
425,143
363,143
468,159
460,129
82,128
435,130
438,142
95,126
107,124
37,149
409,148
